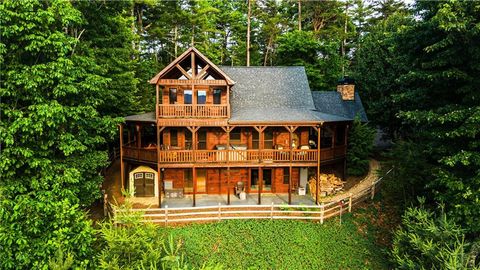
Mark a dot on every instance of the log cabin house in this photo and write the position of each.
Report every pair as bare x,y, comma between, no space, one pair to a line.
216,129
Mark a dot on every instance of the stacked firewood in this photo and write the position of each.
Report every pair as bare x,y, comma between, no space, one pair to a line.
329,184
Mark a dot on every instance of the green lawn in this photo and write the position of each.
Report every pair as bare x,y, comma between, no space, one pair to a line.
280,244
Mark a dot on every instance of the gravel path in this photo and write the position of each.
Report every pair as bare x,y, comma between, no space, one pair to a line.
363,184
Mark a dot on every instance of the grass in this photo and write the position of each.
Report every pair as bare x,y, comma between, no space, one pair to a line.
282,244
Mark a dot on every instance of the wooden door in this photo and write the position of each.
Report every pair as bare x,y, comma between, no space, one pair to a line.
201,181
144,184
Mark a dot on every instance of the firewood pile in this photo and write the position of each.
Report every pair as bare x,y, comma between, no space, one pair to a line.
329,184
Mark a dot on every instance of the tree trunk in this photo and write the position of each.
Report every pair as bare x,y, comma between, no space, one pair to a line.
248,31
299,15
344,41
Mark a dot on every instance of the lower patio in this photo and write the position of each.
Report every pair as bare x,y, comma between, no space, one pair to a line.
251,199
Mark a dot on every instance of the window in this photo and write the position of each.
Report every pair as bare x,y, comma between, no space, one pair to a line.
149,175
188,180
173,137
217,96
340,136
268,139
201,97
188,140
255,140
138,175
326,138
187,95
235,136
173,95
202,140
286,175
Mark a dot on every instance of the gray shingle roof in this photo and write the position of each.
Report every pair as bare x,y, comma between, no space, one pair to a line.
331,102
279,94
144,117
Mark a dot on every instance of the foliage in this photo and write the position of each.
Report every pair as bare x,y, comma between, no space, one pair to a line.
301,48
436,102
51,134
411,168
360,146
131,243
280,244
426,241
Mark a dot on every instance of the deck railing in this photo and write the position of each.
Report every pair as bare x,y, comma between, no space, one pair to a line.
233,156
172,216
190,110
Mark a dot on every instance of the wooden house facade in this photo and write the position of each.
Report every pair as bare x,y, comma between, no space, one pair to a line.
215,129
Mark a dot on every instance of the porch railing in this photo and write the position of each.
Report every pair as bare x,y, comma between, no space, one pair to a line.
173,216
190,110
233,156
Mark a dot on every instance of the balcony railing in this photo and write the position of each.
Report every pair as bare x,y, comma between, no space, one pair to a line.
189,110
233,156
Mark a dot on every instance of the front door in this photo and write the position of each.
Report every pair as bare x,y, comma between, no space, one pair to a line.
267,180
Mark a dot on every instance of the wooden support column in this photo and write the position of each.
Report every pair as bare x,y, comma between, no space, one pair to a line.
157,102
139,135
290,129
261,144
122,167
194,176
159,172
194,172
345,154
260,184
227,129
319,157
228,101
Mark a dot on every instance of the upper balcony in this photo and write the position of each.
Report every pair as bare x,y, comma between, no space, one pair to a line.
192,111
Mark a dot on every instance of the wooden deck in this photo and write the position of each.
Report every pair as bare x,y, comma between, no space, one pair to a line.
192,111
234,157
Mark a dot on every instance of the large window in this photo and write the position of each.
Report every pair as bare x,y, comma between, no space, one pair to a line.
201,97
286,175
340,136
326,137
255,140
173,137
235,136
187,95
173,95
217,96
188,180
202,140
268,139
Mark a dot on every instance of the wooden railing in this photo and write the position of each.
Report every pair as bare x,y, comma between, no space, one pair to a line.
189,110
234,156
220,212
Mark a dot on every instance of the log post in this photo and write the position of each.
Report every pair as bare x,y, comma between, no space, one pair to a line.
219,211
350,203
228,164
319,154
322,212
166,215
260,184
159,173
194,176
122,166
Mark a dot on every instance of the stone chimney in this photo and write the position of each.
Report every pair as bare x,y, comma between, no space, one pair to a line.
346,87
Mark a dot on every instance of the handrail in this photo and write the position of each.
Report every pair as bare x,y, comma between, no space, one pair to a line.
193,110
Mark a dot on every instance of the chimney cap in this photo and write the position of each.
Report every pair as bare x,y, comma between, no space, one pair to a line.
346,80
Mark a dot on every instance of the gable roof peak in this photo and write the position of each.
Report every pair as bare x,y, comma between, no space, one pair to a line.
180,58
